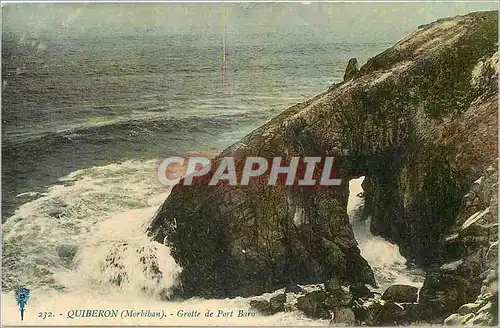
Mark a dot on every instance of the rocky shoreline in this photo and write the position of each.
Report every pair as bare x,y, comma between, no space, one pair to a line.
419,121
345,305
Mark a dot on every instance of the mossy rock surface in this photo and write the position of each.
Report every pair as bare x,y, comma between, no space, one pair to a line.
419,121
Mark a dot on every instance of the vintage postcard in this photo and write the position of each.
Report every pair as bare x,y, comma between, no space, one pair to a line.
249,163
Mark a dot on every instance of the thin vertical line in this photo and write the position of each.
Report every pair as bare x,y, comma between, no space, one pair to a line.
224,46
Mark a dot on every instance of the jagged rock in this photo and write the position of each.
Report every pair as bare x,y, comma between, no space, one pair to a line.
397,314
386,314
458,320
338,298
481,319
277,303
369,314
470,266
351,70
317,295
420,130
312,305
343,316
483,312
332,285
261,306
360,291
442,294
401,294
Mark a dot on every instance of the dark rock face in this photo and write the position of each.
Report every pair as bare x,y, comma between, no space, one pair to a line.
419,121
396,314
415,192
261,306
276,304
259,248
470,253
389,313
334,301
442,294
332,286
361,291
313,305
401,294
351,70
343,316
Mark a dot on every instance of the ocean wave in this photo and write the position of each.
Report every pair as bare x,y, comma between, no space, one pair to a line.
83,245
128,128
49,233
387,263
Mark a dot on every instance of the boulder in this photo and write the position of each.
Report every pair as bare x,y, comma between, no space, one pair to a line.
391,314
261,306
312,305
360,312
453,320
332,286
360,291
338,298
369,314
397,314
375,313
277,303
401,294
343,316
317,295
442,294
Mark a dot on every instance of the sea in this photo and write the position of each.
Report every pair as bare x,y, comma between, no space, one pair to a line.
87,118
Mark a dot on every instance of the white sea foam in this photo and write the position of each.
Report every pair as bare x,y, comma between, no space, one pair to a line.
387,263
104,212
67,214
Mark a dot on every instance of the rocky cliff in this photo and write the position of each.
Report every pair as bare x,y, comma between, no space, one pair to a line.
463,285
419,121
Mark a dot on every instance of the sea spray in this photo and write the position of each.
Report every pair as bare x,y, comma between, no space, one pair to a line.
103,211
109,216
387,263
120,258
44,235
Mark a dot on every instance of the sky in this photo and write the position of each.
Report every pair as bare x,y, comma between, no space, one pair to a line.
355,21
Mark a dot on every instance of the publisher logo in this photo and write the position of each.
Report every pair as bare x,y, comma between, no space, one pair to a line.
22,295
